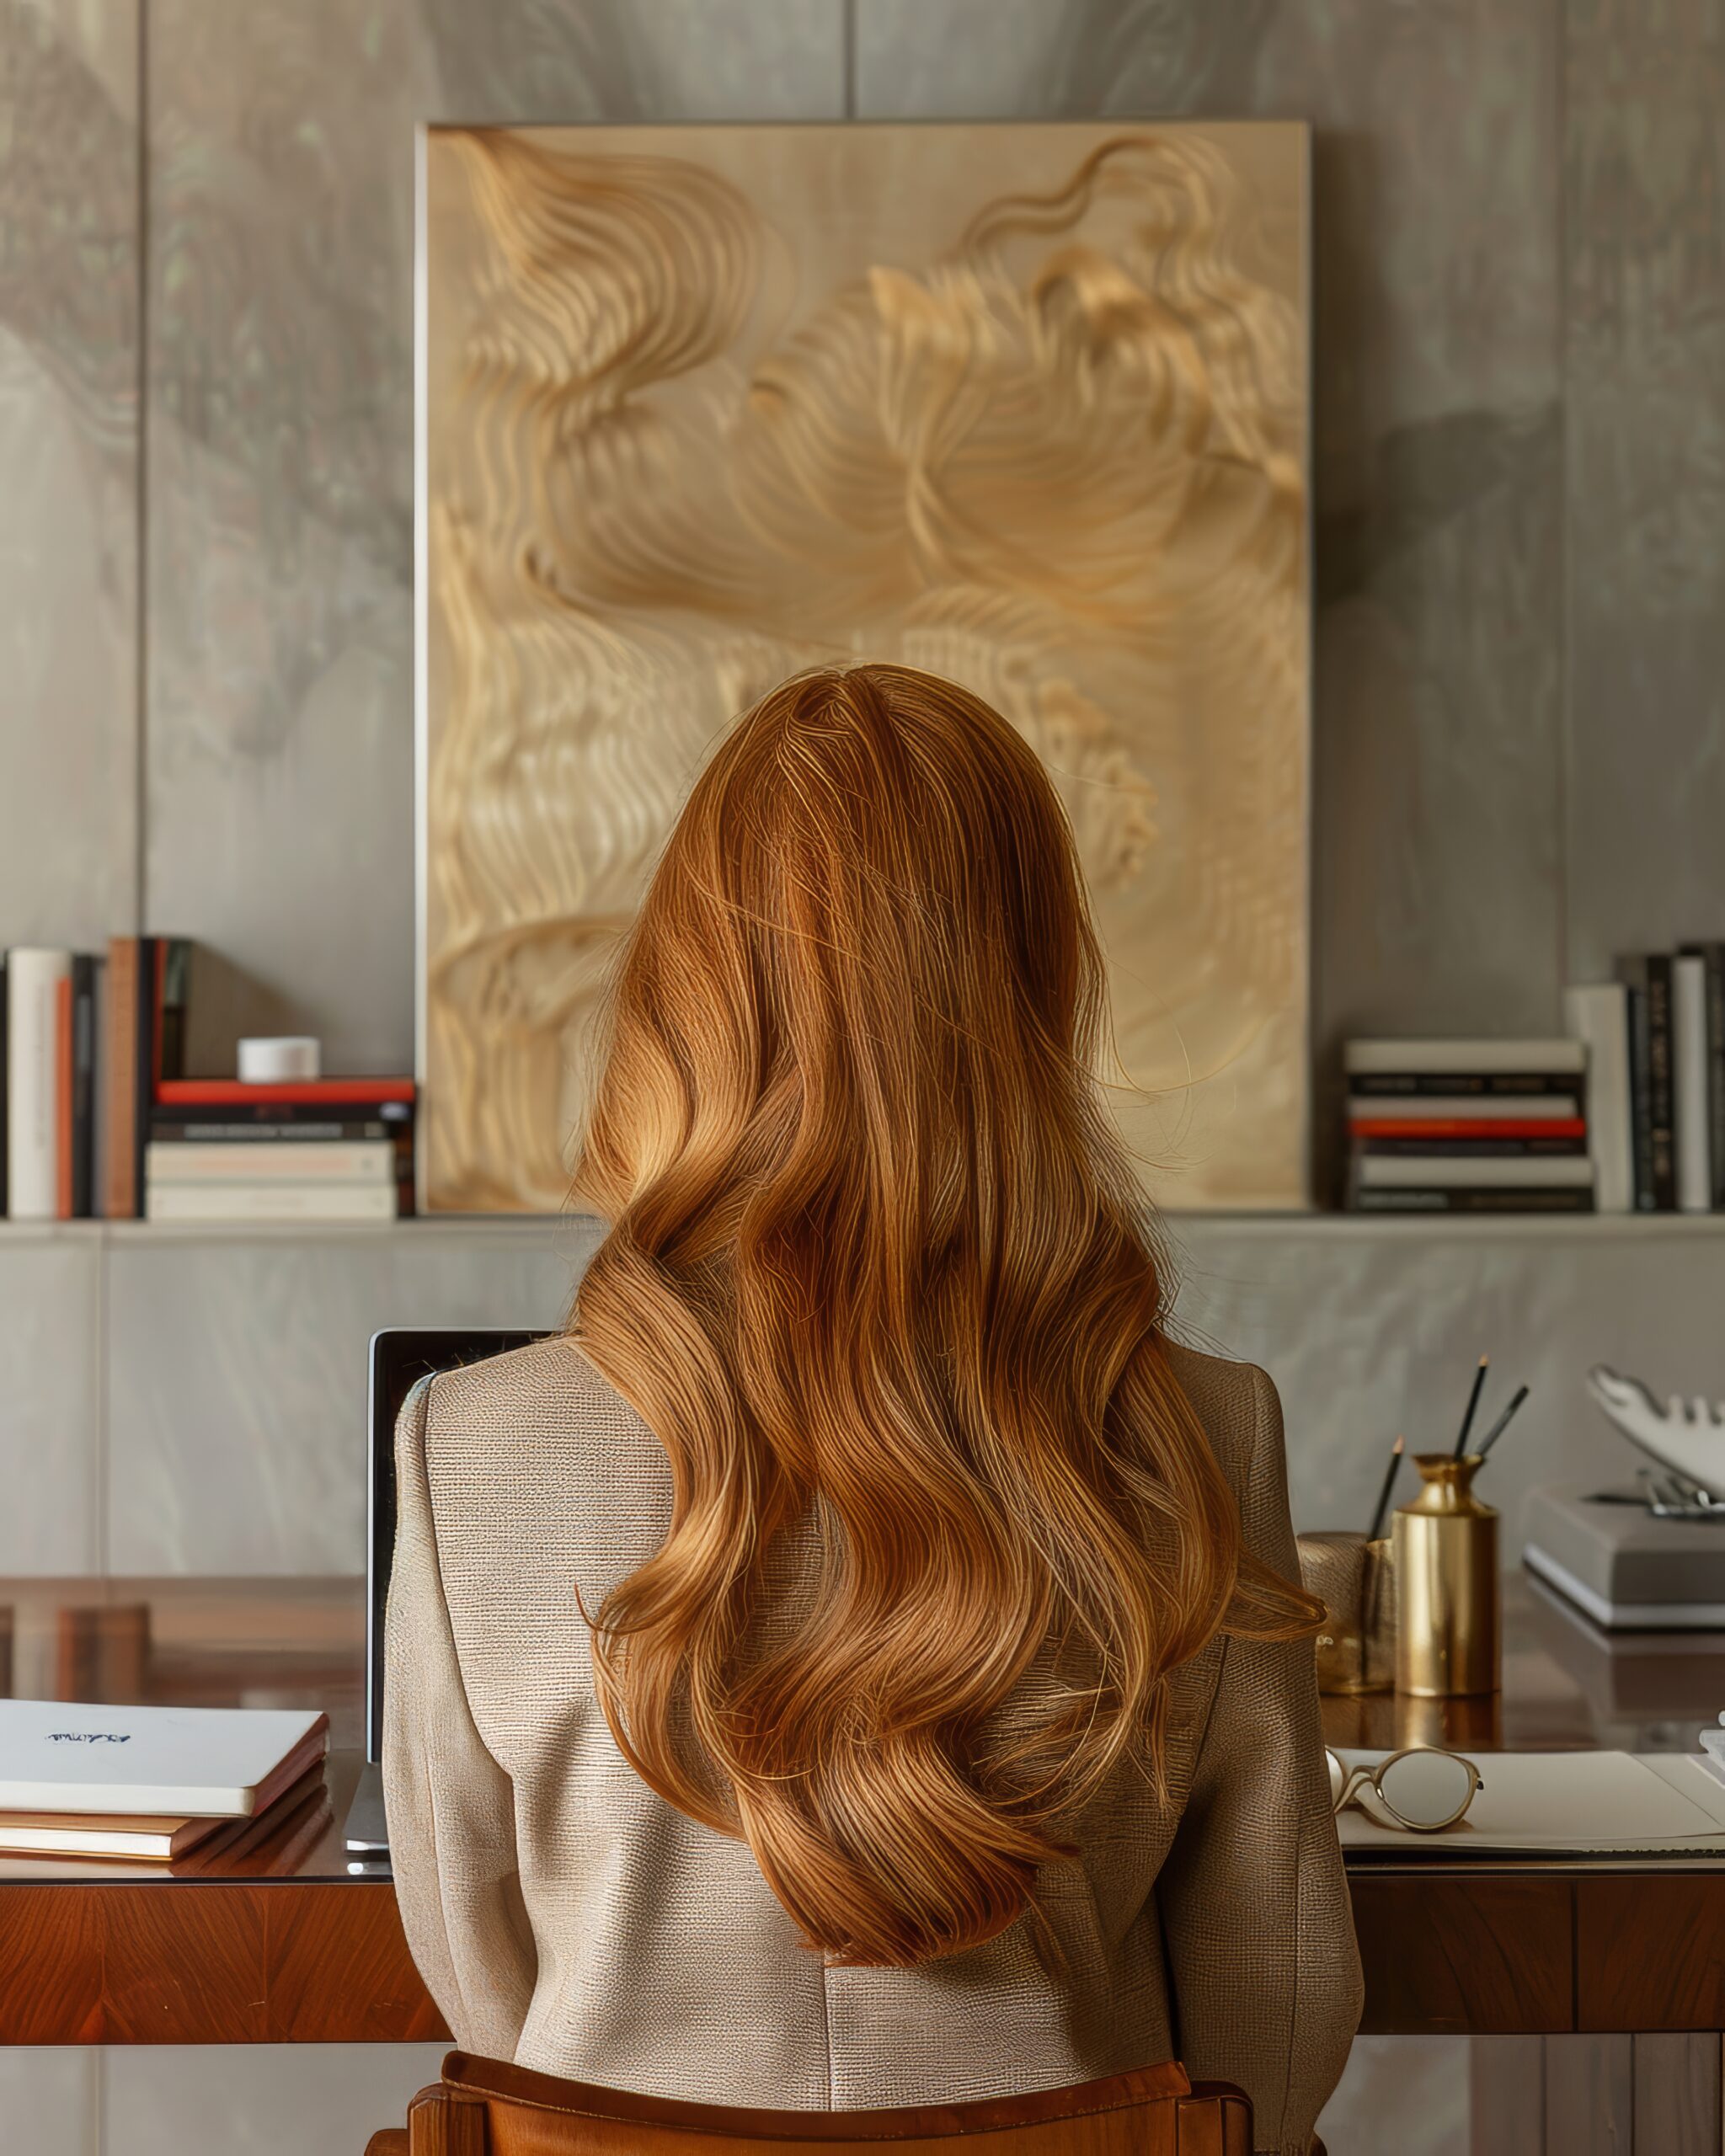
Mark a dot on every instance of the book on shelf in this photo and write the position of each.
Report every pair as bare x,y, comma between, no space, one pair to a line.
1692,1142
326,1149
274,1199
1648,979
33,1055
1488,1141
145,1038
94,1086
1598,1016
1712,958
1455,1126
1460,1069
1515,1109
337,1161
1712,964
362,1094
174,1762
1434,1170
1451,1199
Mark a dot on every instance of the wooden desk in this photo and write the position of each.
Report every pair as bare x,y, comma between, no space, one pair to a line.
262,1936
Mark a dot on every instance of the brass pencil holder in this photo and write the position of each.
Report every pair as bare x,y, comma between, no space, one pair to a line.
1447,1643
1355,1581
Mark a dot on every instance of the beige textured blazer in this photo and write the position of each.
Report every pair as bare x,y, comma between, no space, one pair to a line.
565,1916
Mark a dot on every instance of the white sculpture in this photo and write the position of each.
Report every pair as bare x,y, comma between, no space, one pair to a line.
1686,1435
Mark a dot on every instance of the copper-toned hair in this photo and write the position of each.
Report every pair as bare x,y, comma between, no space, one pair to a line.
876,1253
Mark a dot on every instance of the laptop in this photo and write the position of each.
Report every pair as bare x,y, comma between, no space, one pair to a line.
399,1358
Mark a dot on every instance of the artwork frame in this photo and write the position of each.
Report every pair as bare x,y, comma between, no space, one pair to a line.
1160,1121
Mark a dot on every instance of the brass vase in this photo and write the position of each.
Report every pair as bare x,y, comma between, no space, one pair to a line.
1447,1643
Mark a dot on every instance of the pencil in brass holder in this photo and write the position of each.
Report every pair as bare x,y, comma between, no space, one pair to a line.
1354,1579
1447,1641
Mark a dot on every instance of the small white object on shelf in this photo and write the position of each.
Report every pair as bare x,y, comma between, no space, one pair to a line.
285,1060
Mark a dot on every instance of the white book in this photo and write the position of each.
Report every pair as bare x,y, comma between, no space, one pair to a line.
273,1199
184,1762
1441,1058
33,979
1689,1083
1448,1171
337,1161
1598,1015
1464,1107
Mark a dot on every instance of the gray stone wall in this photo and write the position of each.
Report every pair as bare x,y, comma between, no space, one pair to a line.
205,415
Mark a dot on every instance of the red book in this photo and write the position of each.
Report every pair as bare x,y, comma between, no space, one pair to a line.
1475,1126
310,1092
62,1098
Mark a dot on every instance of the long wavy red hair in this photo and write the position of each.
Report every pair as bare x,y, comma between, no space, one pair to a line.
876,1258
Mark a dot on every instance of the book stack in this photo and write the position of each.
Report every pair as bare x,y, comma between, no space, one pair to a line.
147,1783
1490,1126
1655,1038
100,1116
323,1148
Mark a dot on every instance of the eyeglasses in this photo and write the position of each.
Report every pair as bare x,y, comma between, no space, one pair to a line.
1424,1790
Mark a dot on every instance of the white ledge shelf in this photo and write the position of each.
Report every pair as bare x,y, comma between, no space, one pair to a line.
1367,1227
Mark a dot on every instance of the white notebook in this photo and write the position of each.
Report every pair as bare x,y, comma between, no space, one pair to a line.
1564,1804
187,1761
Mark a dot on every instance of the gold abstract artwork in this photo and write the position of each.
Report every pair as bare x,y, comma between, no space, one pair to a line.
1024,405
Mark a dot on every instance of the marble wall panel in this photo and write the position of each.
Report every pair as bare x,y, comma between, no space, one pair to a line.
235,1422
279,733
50,1403
1368,1332
1405,2092
1438,481
237,1415
68,449
48,2100
269,2099
1644,273
1589,2095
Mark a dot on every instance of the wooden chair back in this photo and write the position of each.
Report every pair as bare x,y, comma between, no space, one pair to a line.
483,2107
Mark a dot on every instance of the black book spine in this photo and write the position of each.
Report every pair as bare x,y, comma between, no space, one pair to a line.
1641,1114
144,1090
1461,1085
1448,1200
83,1083
1473,1148
280,1116
1662,1104
180,1130
1712,958
175,966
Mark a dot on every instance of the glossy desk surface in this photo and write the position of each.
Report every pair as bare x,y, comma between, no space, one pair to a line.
93,1950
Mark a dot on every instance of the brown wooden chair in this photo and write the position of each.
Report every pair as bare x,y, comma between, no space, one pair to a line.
483,2107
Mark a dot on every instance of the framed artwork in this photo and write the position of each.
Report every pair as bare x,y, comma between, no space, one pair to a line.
1026,405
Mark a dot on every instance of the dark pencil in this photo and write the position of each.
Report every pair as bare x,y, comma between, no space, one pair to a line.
1502,1423
1479,1378
1377,1518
